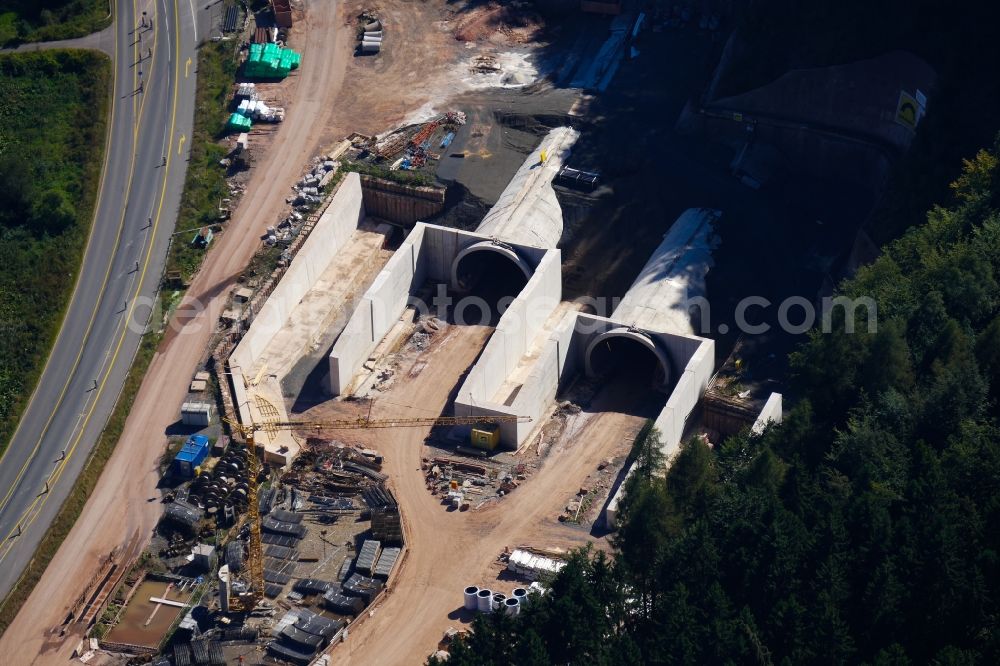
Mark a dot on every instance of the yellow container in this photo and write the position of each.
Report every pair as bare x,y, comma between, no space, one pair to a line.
485,436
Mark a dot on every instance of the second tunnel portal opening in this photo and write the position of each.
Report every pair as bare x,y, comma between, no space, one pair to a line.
618,357
487,281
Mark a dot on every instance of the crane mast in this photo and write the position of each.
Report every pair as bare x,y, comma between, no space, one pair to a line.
247,601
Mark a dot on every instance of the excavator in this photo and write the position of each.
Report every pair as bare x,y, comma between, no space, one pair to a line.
247,601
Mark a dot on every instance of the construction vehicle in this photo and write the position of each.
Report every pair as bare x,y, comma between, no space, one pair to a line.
245,602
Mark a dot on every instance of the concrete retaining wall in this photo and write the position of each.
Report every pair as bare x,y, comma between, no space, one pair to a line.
556,364
691,384
516,332
683,399
332,231
377,311
770,413
426,256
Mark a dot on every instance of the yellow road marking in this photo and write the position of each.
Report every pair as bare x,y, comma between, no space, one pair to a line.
72,449
180,144
104,283
187,67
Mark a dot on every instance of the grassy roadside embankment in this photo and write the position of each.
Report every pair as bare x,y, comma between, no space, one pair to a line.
205,185
53,122
34,21
203,182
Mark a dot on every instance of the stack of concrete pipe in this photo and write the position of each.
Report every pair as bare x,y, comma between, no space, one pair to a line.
371,41
486,601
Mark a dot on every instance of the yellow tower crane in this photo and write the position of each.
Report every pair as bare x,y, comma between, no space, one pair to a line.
255,559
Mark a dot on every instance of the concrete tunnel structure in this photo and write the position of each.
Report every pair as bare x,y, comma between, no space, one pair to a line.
530,359
526,213
540,344
519,235
659,298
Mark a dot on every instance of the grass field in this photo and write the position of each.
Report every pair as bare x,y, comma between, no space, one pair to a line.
53,108
45,20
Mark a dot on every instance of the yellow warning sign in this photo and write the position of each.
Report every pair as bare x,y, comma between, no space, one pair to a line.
908,111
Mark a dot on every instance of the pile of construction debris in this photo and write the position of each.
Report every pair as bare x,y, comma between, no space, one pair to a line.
326,468
308,189
463,484
308,195
410,146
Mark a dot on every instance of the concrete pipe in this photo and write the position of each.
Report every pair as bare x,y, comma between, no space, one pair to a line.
371,40
484,601
520,594
370,47
471,603
498,600
511,606
376,33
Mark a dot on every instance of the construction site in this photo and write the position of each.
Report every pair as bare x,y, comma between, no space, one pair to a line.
424,389
374,372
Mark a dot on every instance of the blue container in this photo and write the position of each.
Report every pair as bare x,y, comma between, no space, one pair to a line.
191,455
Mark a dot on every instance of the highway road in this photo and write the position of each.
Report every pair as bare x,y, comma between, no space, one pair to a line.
146,155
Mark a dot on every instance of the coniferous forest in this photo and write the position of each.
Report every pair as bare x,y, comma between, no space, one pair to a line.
866,527
863,529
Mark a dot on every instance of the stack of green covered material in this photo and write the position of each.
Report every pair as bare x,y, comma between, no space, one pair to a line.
270,61
238,122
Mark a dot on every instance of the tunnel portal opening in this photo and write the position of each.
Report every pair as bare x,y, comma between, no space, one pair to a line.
630,357
487,281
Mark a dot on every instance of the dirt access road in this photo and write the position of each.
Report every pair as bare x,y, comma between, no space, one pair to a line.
119,511
448,550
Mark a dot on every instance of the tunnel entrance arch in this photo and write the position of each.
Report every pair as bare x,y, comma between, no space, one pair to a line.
465,274
627,351
491,272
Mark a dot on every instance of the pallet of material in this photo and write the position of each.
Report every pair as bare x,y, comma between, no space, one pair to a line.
366,471
365,588
313,586
368,556
276,578
281,553
287,516
318,625
386,561
300,638
345,570
288,653
279,540
278,572
334,503
387,526
274,526
343,604
379,497
229,23
459,464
